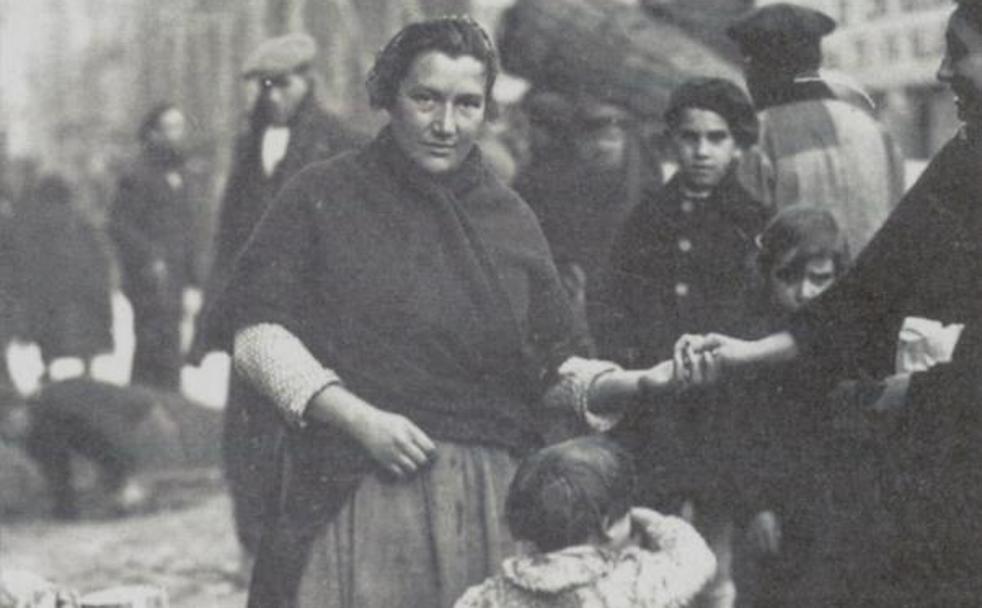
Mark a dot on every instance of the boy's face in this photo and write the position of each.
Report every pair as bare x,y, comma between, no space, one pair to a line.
794,285
705,147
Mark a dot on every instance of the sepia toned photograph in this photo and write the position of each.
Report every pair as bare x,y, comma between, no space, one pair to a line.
490,303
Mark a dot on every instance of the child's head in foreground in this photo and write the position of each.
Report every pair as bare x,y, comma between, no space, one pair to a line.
801,253
573,493
710,122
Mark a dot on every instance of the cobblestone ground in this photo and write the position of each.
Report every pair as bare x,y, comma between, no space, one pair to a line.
185,545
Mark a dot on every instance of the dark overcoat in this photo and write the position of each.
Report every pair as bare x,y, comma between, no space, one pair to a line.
251,429
681,266
66,278
926,261
152,222
314,135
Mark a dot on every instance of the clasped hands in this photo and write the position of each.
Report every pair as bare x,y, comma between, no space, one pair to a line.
698,360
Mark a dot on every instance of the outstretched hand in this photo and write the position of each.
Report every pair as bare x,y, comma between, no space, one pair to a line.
702,359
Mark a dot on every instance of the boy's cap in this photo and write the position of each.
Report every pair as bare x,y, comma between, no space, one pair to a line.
280,55
774,29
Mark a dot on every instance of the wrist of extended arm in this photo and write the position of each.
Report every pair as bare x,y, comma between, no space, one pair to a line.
776,348
610,390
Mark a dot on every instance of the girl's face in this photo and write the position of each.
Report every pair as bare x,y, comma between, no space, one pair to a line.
439,110
794,285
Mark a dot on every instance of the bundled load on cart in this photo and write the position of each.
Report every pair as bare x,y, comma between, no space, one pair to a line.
617,51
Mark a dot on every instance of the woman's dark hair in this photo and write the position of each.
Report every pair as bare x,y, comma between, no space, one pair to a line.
563,494
455,36
151,120
720,96
797,234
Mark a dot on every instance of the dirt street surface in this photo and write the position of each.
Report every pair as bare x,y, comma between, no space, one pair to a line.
185,545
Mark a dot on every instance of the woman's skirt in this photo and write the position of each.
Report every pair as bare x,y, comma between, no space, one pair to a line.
418,542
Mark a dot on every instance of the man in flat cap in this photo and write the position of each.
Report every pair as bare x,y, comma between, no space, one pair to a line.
287,131
815,149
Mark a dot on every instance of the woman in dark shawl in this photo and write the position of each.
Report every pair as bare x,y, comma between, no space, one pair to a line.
400,307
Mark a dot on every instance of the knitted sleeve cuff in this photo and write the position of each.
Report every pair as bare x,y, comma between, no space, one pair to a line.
572,390
278,364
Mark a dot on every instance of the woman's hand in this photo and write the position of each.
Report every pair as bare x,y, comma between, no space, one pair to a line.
395,442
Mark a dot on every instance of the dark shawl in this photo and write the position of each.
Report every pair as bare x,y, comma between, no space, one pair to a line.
926,261
314,136
436,299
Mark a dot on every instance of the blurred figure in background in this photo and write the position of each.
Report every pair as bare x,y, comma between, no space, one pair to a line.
11,309
66,278
594,171
151,223
815,149
121,430
287,131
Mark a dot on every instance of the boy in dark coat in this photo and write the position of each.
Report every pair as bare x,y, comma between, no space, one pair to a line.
682,263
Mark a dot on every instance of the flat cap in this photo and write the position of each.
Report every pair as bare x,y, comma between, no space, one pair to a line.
280,55
775,27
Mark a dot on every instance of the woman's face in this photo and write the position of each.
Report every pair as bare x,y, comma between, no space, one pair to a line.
439,110
961,68
794,285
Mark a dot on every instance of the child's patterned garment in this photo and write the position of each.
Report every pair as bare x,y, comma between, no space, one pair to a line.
667,576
